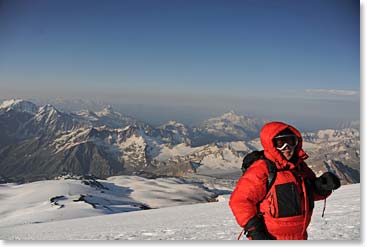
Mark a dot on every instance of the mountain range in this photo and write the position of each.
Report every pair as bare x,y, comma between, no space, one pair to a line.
43,142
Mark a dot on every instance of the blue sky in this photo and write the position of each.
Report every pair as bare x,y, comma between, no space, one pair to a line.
262,52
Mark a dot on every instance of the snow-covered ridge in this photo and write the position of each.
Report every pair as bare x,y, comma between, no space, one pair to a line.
331,135
88,115
49,112
19,105
49,121
107,117
123,144
228,127
179,150
108,110
68,198
174,133
230,119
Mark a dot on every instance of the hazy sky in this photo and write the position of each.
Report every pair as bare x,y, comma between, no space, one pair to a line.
297,60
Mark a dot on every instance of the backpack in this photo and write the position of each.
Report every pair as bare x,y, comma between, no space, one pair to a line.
250,158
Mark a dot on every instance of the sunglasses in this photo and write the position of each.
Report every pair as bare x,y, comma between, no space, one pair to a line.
282,141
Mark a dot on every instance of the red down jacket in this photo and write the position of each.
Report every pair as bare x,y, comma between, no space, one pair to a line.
288,206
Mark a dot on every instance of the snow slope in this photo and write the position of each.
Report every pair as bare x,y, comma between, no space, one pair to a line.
55,200
205,221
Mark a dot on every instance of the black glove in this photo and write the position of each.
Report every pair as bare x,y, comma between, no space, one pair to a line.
256,229
326,183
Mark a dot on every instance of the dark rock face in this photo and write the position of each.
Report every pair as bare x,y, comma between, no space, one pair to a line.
32,160
11,123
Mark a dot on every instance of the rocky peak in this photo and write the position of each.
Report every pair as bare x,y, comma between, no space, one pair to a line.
47,113
231,118
173,124
231,115
19,105
108,110
133,129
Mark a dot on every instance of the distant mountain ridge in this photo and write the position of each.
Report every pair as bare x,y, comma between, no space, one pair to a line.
228,127
18,105
43,142
107,116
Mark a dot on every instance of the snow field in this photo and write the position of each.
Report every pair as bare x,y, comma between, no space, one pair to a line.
204,221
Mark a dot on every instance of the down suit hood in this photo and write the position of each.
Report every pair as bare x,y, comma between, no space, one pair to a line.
267,134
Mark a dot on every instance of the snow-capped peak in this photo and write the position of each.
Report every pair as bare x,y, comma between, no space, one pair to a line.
108,110
173,123
174,132
88,114
227,127
232,116
48,110
19,105
8,103
230,113
231,119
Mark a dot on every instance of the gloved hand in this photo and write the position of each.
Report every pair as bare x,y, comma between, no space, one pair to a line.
326,183
256,229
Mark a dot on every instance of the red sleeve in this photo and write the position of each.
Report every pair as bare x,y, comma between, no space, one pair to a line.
312,176
250,189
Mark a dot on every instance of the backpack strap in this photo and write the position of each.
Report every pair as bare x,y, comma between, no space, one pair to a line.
271,179
272,174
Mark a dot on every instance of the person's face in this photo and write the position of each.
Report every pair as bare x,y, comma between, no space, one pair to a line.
286,145
287,152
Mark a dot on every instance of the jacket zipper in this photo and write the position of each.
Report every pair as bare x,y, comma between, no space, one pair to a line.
301,196
272,206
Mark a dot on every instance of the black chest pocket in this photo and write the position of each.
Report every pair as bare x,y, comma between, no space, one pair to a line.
288,199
